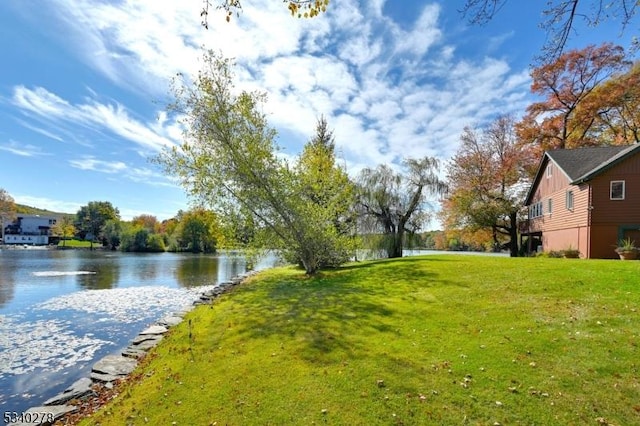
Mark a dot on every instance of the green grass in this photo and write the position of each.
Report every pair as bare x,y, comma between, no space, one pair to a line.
414,341
77,244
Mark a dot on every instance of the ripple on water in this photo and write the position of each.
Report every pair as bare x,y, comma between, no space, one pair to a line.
50,345
60,273
53,344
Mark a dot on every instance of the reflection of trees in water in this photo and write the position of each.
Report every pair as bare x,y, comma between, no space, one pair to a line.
232,265
148,267
7,281
107,273
196,270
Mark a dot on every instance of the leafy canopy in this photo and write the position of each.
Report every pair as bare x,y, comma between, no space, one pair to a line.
487,179
394,203
230,161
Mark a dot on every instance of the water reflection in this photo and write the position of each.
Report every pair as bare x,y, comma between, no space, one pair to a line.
106,274
7,282
196,270
60,310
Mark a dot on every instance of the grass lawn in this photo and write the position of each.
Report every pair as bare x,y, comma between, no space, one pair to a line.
77,244
416,341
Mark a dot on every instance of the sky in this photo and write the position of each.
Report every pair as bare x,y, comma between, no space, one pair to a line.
84,85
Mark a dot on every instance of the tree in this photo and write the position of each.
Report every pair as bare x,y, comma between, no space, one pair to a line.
64,228
299,8
147,221
7,209
487,181
112,232
90,219
198,231
614,109
395,203
561,16
136,238
326,191
228,162
565,84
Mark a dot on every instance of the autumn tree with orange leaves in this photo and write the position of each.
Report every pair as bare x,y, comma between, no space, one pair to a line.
566,85
612,110
487,181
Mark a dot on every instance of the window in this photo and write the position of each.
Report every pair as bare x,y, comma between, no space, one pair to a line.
549,205
616,190
535,210
549,170
569,200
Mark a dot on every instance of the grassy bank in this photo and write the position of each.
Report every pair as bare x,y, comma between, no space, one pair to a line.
422,340
78,244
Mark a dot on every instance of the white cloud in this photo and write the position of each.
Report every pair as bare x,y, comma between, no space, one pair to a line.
424,34
121,169
389,90
49,108
40,130
48,203
22,150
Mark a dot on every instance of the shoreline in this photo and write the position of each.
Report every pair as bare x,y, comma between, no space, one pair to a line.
88,394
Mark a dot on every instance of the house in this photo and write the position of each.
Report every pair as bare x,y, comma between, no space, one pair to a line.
586,198
29,229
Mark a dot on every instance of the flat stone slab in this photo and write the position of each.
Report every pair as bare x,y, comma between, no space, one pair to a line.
45,415
212,293
144,337
135,353
147,344
104,378
115,365
155,329
77,390
170,321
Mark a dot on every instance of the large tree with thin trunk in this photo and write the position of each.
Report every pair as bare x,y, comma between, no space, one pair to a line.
229,162
487,180
394,204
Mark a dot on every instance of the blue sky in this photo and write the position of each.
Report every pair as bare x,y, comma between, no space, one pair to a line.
84,84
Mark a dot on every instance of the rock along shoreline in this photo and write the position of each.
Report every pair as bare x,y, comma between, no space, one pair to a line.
85,393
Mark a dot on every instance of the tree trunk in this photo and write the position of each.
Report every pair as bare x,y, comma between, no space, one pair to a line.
513,234
394,249
309,262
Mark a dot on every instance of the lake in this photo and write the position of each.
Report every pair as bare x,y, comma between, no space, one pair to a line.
62,310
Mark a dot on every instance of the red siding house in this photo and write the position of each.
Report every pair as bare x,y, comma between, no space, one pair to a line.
586,199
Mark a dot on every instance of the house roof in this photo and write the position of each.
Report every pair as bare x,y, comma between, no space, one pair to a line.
583,164
576,163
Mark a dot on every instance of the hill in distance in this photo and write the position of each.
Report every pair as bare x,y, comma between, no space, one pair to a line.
24,209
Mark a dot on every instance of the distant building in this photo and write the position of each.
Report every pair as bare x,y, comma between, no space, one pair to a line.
29,229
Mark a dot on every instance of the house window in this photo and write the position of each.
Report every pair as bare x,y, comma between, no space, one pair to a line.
569,200
549,170
535,210
616,190
549,205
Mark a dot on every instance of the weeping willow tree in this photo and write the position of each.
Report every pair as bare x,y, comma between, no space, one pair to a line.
394,205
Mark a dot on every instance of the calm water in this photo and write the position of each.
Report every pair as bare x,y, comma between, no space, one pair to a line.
61,311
